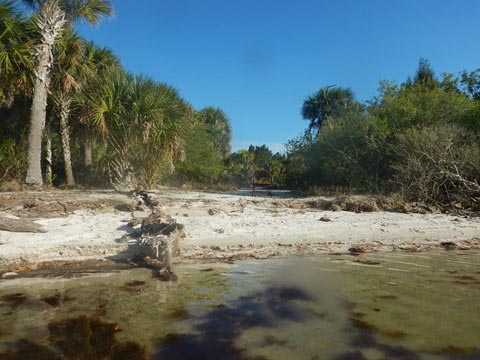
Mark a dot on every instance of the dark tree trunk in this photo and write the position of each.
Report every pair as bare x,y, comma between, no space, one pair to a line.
48,158
87,150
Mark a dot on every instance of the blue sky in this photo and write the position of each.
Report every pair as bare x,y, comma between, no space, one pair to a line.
259,59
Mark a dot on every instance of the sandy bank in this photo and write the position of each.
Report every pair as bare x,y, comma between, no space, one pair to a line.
222,226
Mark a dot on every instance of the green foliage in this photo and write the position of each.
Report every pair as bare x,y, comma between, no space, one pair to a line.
202,164
425,76
415,138
134,128
16,55
92,11
471,120
145,124
471,83
13,160
301,163
419,105
218,127
328,102
348,153
241,165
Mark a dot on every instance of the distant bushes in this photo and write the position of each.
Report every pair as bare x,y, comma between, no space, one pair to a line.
419,139
202,163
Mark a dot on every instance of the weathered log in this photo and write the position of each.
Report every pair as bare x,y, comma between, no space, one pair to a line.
17,225
159,223
157,243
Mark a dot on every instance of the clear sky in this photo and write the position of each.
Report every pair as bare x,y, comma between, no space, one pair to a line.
259,59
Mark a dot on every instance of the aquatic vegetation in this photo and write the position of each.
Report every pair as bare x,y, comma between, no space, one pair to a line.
53,300
14,300
78,338
276,308
412,301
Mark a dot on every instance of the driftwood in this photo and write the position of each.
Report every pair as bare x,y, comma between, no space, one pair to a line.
17,225
158,243
146,199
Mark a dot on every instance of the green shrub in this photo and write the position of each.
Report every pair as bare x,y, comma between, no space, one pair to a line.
202,163
13,160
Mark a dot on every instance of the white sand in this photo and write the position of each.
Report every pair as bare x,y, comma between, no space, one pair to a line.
242,224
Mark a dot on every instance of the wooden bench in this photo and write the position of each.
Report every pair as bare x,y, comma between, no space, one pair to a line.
260,178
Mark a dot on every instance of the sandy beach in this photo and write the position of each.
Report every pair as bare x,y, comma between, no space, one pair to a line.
219,226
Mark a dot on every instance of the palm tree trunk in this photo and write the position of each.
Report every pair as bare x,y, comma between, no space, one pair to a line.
48,157
87,150
50,24
65,136
37,124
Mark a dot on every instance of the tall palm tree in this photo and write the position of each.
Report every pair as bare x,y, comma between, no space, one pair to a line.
218,127
68,74
52,18
328,102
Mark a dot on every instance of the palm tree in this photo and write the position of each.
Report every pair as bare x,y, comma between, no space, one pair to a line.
101,63
103,112
328,102
218,127
155,129
144,124
69,72
16,60
52,18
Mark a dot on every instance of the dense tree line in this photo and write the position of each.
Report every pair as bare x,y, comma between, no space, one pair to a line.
419,139
71,114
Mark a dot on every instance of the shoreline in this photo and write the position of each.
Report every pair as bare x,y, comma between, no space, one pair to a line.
220,227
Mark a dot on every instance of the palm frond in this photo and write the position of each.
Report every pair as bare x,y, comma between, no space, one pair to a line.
93,11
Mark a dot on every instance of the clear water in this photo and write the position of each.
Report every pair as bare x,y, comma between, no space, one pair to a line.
372,306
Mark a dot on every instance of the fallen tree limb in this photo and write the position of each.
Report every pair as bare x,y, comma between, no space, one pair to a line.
158,243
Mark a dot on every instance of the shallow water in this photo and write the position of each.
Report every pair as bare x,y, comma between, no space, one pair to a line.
372,306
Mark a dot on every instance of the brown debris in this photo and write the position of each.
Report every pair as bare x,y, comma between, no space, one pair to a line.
54,204
448,245
158,243
17,225
125,207
360,204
